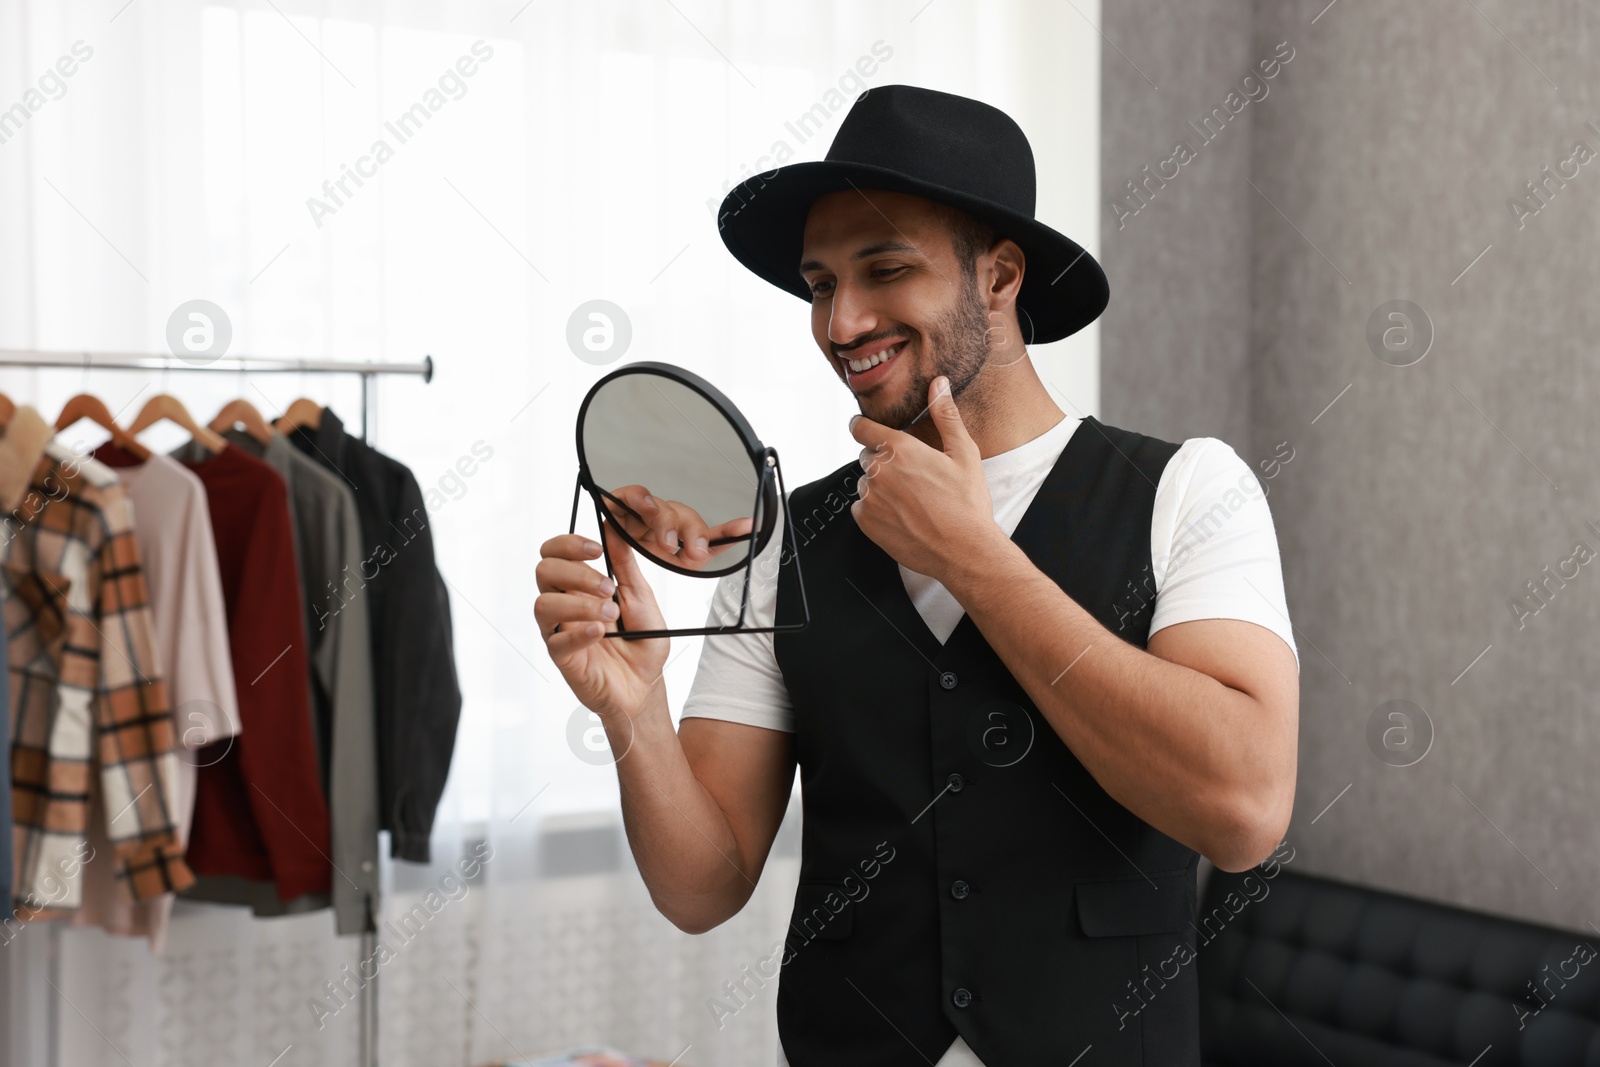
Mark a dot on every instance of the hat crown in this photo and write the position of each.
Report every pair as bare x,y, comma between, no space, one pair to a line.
961,144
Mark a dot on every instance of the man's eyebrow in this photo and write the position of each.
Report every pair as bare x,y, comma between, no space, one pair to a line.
864,253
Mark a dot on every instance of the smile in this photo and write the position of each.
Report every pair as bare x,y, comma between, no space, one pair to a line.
860,366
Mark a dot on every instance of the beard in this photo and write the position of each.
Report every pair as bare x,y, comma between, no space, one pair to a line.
957,346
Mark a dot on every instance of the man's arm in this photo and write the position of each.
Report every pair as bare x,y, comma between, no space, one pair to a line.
701,807
700,804
1197,734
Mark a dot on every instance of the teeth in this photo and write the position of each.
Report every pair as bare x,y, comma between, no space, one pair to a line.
861,365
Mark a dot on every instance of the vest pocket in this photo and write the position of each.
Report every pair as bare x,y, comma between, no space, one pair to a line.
1120,907
822,912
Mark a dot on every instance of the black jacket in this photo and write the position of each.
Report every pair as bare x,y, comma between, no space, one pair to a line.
418,701
961,871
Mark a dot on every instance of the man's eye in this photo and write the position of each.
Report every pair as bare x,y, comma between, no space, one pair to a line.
886,271
816,290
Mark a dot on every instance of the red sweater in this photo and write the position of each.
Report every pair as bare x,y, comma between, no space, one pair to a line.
259,808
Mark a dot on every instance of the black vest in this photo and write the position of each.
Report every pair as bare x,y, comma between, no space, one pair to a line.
960,870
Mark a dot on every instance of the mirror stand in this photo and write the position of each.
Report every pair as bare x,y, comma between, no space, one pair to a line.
770,466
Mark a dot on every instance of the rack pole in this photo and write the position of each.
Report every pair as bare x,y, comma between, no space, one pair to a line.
235,364
369,935
369,407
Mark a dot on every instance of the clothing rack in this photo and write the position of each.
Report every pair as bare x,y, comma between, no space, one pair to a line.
369,372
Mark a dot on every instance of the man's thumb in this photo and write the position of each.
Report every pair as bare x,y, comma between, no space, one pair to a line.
952,431
624,564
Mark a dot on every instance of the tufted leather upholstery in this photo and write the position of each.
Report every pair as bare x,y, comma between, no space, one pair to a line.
1301,970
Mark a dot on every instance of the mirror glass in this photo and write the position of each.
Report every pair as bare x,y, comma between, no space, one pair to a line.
671,466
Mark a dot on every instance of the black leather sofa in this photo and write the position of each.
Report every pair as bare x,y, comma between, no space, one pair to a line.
1301,971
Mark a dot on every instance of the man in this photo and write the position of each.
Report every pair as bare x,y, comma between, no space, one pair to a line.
1048,662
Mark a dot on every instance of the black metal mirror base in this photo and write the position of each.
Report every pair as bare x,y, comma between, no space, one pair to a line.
770,467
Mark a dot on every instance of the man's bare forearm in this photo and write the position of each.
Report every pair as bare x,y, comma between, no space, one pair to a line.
681,840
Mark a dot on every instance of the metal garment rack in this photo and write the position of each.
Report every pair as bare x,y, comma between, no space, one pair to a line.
369,372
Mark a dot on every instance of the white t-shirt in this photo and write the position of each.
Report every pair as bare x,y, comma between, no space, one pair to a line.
1213,555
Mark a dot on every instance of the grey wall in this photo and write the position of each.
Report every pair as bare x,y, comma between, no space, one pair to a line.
1420,503
1175,339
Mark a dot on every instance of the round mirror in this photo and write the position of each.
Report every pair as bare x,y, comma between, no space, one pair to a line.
670,459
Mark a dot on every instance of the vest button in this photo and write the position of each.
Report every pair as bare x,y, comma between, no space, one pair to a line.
955,783
961,998
948,679
960,889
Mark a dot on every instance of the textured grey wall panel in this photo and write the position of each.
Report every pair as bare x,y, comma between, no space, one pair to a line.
1422,498
1174,343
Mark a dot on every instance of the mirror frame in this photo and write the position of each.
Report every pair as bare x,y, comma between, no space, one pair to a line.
768,499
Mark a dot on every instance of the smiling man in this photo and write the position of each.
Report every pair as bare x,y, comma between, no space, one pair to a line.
1041,677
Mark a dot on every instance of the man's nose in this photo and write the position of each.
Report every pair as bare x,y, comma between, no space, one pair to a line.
851,315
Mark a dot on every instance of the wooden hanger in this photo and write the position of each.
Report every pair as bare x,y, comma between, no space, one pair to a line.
243,413
166,406
85,406
303,412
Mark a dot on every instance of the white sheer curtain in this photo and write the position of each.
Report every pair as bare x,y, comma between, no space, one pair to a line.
564,152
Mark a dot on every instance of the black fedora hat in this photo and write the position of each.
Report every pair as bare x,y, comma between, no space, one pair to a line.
961,152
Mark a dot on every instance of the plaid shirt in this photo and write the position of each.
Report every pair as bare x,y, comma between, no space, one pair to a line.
86,693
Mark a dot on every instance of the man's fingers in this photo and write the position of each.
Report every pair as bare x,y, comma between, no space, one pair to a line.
732,528
571,610
638,498
638,600
634,509
669,523
624,562
695,538
569,576
663,520
570,641
947,417
619,515
869,433
569,546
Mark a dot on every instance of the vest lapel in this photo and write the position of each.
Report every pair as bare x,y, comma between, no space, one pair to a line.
876,578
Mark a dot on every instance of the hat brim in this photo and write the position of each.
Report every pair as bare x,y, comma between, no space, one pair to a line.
762,222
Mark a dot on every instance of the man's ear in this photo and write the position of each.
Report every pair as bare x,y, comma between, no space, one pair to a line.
1004,281
1010,264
